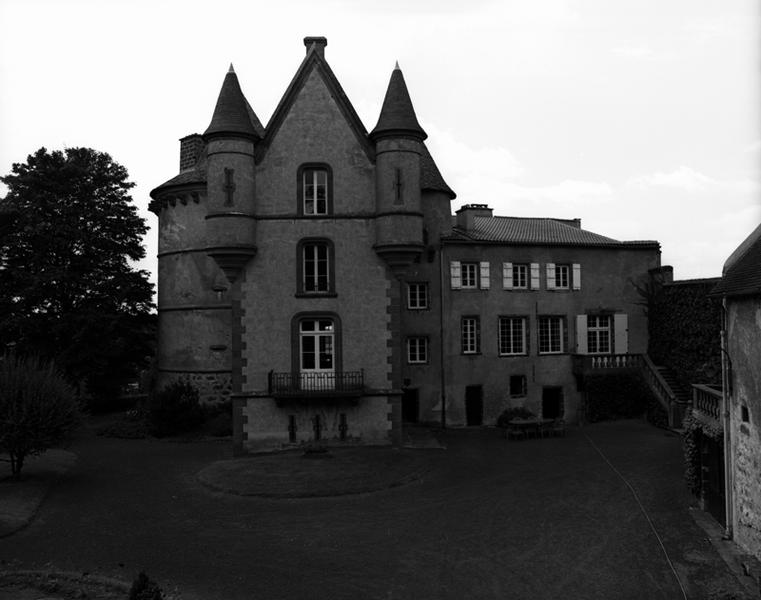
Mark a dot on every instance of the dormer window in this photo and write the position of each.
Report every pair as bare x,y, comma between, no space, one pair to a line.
315,196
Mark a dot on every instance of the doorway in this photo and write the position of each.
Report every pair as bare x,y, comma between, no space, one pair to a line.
474,405
410,406
552,402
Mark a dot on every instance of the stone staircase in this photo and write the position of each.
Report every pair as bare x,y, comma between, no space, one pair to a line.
682,394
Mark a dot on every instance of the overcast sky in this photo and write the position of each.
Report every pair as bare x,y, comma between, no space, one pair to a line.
640,117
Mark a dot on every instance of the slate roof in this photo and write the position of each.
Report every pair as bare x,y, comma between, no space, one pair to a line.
397,115
232,114
430,176
742,272
196,175
536,231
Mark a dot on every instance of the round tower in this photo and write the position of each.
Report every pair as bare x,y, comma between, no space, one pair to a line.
398,139
231,181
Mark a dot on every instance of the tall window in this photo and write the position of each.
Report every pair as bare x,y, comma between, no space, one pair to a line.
517,386
417,350
551,335
317,353
314,183
417,296
562,277
469,275
316,267
512,335
470,335
598,334
520,276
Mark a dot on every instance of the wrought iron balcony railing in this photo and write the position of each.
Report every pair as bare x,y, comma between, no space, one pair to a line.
307,385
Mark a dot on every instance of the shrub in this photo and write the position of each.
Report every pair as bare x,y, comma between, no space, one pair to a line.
175,409
38,409
517,412
616,396
144,588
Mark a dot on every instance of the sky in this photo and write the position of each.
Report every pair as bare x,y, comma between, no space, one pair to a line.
641,117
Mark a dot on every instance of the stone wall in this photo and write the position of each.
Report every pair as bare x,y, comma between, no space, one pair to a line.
213,388
744,348
685,327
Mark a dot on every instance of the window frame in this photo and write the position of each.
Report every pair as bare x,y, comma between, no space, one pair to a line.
467,345
561,269
426,295
300,187
516,276
561,337
422,344
301,258
296,339
475,266
524,334
523,385
594,333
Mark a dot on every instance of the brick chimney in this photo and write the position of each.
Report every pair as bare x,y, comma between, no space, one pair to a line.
319,43
190,149
468,212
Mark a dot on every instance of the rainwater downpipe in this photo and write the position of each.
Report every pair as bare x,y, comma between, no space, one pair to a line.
442,370
726,402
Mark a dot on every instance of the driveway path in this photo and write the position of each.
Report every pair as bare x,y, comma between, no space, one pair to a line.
493,519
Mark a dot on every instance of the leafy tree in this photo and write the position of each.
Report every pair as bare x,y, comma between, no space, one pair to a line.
38,408
68,231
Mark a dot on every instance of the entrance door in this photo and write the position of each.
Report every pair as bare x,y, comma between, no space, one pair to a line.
552,402
410,406
474,405
317,355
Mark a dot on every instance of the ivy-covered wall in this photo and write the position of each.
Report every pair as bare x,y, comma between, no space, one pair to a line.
685,330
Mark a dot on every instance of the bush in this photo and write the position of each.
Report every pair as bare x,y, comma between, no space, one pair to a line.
144,588
38,409
619,396
175,409
517,412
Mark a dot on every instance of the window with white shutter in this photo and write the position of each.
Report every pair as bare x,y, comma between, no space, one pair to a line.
550,276
581,334
576,276
484,273
534,276
507,276
621,333
454,274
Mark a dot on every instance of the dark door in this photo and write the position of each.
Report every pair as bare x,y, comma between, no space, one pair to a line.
410,406
474,405
712,460
552,402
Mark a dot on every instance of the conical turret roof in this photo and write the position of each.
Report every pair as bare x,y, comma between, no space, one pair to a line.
397,117
231,115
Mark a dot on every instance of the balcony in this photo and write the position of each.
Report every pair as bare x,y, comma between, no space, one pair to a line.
706,402
304,386
601,364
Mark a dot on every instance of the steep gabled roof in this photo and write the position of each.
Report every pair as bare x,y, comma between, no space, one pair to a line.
314,62
538,231
742,271
430,176
397,116
233,114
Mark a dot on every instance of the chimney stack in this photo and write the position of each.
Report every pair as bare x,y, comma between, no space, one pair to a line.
468,212
190,149
319,42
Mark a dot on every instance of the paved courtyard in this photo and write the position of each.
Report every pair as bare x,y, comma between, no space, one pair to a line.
487,518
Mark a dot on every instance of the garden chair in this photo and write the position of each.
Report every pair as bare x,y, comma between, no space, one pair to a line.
514,432
558,427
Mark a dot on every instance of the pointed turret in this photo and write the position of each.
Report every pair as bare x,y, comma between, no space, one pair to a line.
398,140
231,114
231,179
397,117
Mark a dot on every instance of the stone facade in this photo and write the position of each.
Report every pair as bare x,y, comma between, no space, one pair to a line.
744,347
289,256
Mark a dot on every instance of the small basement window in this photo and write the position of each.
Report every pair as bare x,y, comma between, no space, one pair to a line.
744,413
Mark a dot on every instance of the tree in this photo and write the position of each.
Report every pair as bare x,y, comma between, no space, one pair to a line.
38,408
68,231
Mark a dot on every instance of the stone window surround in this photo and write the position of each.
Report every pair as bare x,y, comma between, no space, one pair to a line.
300,189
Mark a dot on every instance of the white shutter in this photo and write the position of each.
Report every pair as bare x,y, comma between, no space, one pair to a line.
581,334
534,276
507,276
621,333
485,280
576,276
550,276
455,274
